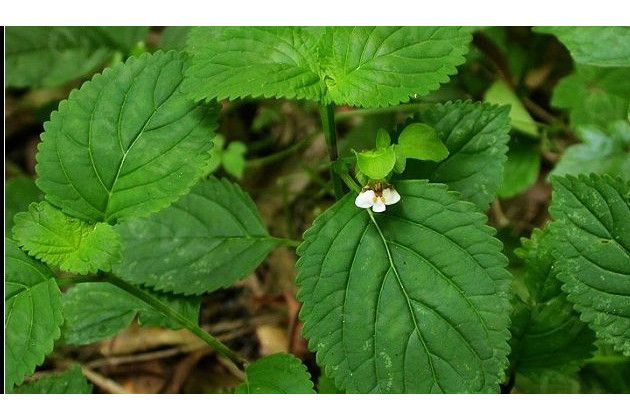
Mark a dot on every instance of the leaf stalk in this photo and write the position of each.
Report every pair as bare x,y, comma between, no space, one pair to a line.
169,312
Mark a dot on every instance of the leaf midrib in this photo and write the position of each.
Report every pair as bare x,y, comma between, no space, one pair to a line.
408,300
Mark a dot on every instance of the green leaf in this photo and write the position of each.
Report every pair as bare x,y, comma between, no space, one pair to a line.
174,38
607,373
378,66
411,300
19,193
233,159
594,95
216,154
420,141
605,46
96,311
548,338
383,140
548,382
521,168
325,385
49,56
65,242
601,152
592,246
124,38
376,164
501,94
128,143
362,66
192,246
476,135
32,313
279,373
71,381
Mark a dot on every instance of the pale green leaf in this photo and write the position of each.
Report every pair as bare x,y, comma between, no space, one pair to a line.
383,139
207,240
601,152
521,168
65,242
32,313
422,142
47,56
592,247
606,46
411,300
18,194
476,135
376,164
127,143
594,95
233,159
362,66
97,311
216,155
280,373
501,94
71,381
548,338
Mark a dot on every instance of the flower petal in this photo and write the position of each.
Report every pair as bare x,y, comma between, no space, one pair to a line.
365,199
390,196
378,206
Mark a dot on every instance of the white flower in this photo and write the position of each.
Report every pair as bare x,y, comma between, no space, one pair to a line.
377,198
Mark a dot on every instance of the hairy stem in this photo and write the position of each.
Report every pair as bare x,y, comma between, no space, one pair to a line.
167,311
327,113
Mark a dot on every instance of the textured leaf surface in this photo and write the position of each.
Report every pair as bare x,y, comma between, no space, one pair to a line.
65,242
476,136
412,300
592,246
594,95
363,66
51,56
548,339
127,143
71,381
521,168
279,373
19,193
607,46
207,240
601,152
32,313
97,311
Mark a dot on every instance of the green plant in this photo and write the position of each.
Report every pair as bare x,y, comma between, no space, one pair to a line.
404,286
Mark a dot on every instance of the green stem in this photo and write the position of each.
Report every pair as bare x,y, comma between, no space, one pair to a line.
288,242
350,182
346,115
278,156
167,311
71,281
327,114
